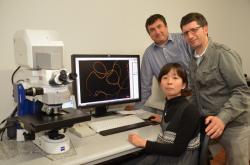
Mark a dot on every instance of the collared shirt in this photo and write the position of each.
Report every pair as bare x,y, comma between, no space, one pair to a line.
199,57
155,57
219,86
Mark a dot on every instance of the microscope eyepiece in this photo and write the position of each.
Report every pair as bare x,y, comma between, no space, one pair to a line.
63,76
72,76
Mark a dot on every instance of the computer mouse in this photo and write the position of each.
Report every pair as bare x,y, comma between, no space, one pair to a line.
152,122
151,117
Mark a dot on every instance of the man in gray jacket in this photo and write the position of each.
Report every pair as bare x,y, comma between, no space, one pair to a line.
219,89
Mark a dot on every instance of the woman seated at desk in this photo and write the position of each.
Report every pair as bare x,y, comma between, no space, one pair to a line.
179,141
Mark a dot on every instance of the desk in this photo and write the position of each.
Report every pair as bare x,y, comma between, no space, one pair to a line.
90,150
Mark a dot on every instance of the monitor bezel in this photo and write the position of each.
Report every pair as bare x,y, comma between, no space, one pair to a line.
74,84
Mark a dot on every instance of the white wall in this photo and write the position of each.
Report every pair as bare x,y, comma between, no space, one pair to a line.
112,26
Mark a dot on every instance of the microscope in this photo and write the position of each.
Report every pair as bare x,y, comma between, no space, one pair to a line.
42,90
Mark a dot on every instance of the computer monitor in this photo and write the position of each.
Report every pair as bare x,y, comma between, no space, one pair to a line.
104,80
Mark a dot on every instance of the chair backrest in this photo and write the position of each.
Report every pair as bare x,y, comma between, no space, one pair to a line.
204,152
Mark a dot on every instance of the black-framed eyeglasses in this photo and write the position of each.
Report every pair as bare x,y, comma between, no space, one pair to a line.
192,31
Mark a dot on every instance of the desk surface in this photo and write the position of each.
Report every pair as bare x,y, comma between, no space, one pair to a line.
89,150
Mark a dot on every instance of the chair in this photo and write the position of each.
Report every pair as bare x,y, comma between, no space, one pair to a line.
204,152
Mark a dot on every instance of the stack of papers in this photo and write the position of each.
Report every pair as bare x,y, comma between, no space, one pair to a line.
140,113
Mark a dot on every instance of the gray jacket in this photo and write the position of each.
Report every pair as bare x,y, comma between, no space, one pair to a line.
219,86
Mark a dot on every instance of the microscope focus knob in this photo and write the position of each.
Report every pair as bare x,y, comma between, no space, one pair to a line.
33,91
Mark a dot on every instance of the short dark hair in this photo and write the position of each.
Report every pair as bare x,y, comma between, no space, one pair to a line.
154,18
199,18
180,72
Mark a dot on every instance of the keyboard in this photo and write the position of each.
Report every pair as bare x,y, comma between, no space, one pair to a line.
118,124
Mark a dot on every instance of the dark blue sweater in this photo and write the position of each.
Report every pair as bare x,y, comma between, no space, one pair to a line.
186,128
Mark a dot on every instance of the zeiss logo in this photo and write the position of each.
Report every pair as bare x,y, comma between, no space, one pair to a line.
63,148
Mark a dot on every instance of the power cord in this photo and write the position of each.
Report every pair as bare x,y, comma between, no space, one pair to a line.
13,74
8,122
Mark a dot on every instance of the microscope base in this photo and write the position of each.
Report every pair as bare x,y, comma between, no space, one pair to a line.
53,146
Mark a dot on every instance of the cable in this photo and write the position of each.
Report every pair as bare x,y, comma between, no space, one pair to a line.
2,130
12,115
12,77
14,112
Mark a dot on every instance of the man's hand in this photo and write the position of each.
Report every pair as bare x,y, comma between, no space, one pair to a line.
136,140
129,107
215,127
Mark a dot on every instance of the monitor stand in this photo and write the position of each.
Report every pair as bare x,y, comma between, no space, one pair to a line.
101,111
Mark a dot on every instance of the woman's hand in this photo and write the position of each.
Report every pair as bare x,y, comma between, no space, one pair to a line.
136,140
156,118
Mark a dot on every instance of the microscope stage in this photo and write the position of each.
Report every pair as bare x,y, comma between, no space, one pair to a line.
67,118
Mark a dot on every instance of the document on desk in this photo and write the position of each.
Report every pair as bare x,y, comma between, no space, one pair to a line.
82,130
140,113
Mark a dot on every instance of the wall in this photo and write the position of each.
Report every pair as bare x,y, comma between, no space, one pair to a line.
112,26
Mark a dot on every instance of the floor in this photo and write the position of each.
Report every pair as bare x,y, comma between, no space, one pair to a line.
219,159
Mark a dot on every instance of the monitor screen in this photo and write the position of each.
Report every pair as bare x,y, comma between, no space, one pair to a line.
106,79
